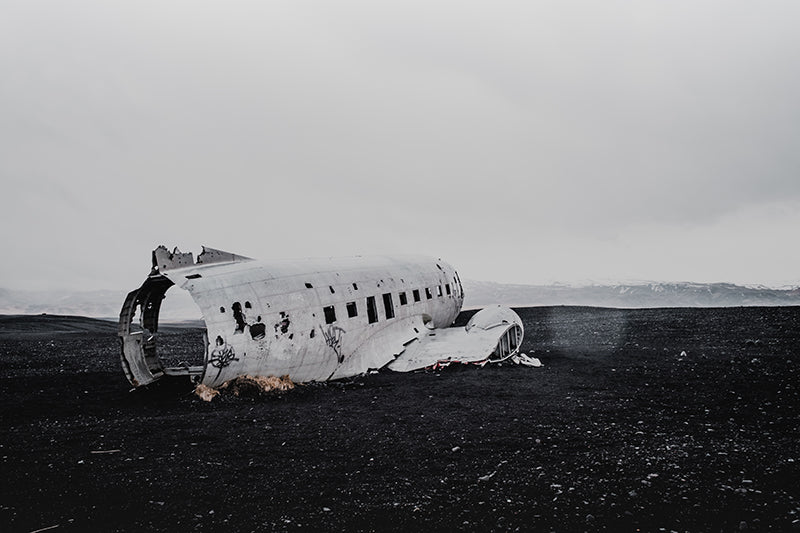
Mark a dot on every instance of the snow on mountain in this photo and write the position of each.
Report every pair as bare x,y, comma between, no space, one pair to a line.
628,295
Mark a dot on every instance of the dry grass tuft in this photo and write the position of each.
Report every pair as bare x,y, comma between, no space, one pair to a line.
256,385
205,392
247,386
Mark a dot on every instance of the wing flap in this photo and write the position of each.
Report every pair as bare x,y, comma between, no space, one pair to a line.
446,345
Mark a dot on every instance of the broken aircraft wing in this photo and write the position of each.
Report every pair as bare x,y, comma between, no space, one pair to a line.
492,334
313,320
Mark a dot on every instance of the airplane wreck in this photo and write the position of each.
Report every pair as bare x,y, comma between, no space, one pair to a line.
312,320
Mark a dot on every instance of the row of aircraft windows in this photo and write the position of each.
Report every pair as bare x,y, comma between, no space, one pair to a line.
388,304
402,294
352,310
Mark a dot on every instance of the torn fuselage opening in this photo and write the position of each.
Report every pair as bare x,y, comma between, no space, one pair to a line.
508,344
138,332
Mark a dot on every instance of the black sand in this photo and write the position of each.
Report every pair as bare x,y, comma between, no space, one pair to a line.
618,432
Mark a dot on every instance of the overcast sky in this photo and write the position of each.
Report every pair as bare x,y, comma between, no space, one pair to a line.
524,142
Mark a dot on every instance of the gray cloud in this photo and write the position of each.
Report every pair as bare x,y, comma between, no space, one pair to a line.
523,141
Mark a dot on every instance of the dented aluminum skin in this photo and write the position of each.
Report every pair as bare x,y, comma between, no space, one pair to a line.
313,319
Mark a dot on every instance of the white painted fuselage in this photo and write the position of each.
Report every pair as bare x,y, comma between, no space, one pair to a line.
313,319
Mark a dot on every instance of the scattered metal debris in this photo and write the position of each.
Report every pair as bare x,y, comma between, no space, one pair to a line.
526,360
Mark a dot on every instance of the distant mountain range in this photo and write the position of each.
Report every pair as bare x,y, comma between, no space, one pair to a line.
99,304
628,295
179,305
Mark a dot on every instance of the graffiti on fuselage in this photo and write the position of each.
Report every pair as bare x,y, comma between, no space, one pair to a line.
222,355
333,338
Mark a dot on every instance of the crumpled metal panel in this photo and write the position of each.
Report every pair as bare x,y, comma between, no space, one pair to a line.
381,348
139,358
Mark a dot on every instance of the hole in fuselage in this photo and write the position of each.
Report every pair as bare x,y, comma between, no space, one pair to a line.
182,341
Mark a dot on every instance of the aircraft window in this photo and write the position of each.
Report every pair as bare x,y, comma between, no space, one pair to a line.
439,291
372,311
309,286
447,288
355,287
428,294
352,310
403,298
415,292
221,309
332,291
330,314
388,305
